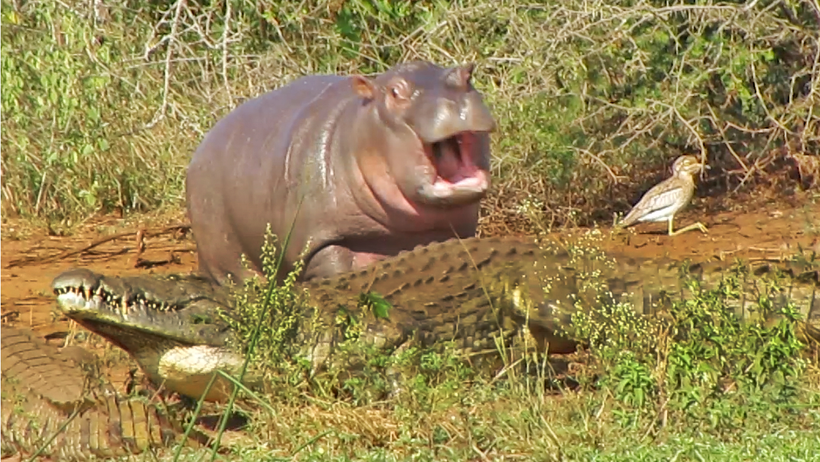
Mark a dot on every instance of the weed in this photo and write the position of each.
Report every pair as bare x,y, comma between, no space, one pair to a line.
269,317
701,359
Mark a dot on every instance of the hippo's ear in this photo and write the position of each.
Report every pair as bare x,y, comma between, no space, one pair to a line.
363,86
459,77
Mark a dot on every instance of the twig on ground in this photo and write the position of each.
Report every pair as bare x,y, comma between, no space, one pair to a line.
98,242
140,238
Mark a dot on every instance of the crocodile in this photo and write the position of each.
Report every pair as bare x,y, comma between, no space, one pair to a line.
473,292
47,394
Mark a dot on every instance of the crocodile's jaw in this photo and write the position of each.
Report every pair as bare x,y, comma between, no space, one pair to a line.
177,365
187,370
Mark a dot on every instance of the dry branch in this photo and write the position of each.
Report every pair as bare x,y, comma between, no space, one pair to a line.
141,233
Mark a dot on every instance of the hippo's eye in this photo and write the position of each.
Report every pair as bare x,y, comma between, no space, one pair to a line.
399,90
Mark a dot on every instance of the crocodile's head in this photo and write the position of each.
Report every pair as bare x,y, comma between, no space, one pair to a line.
168,324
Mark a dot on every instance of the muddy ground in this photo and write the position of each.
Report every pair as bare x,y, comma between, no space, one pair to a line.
30,260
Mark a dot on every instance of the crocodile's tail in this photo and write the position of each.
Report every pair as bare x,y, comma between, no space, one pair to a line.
45,397
558,288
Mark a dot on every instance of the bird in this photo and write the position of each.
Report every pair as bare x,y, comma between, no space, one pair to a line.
665,199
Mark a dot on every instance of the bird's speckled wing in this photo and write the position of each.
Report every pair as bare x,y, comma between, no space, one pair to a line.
659,202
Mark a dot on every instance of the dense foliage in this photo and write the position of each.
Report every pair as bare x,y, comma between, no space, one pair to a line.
104,102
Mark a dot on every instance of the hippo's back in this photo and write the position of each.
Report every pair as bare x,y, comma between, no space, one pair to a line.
237,180
242,132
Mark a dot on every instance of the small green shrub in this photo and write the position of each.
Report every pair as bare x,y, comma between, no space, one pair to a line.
700,358
267,316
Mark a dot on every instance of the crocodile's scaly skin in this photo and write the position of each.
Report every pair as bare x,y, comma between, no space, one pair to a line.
28,361
474,289
42,392
471,291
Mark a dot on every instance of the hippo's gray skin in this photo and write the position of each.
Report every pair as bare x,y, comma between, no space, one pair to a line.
378,166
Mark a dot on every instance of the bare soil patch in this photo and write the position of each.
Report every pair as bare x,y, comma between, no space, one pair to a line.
30,263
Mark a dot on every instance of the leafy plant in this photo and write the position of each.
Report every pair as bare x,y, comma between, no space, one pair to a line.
104,104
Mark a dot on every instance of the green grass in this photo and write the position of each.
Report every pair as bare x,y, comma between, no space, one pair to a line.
512,422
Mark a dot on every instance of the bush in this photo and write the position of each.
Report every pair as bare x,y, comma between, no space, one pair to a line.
103,103
700,359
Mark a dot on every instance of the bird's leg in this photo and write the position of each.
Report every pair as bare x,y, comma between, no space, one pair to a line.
697,225
617,227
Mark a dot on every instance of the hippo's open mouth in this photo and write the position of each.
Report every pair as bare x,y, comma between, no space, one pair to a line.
458,178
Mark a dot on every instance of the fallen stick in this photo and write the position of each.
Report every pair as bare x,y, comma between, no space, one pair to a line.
98,242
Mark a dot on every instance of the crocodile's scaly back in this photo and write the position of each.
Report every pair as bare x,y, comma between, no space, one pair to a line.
42,392
462,291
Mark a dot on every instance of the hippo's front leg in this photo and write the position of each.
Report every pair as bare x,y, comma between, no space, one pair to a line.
329,261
